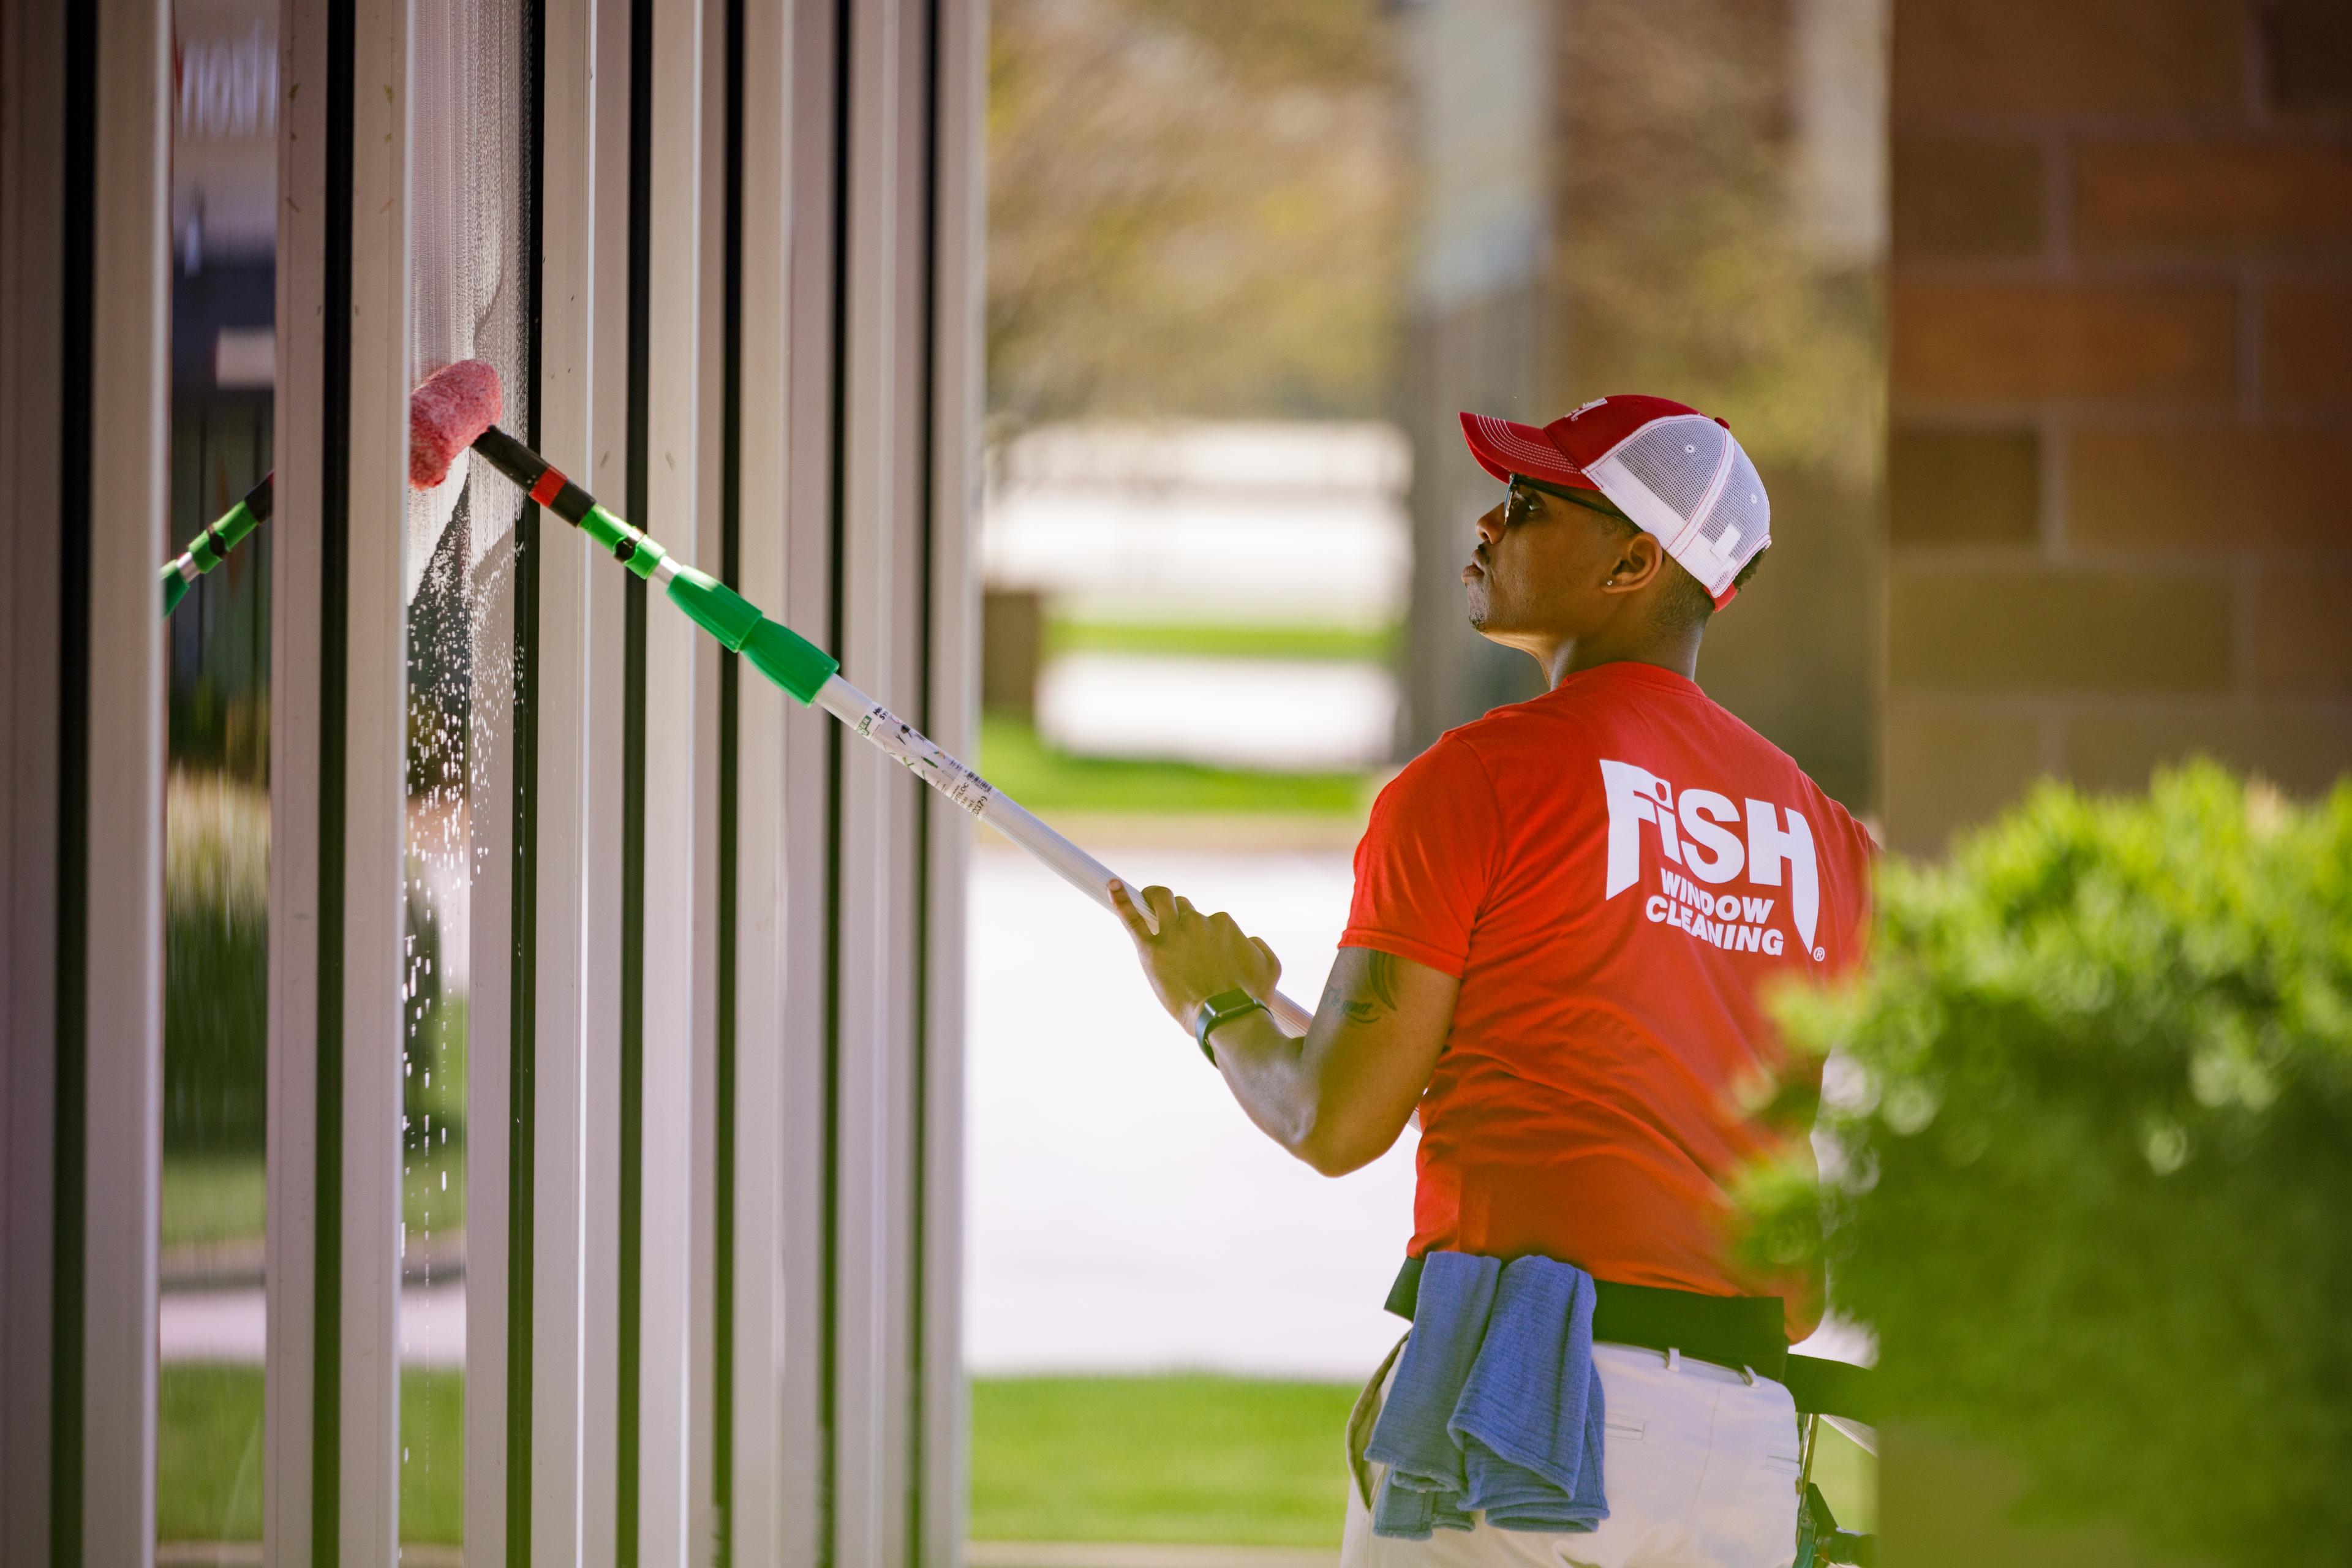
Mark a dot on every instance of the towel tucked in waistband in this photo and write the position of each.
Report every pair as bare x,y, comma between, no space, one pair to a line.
1495,1408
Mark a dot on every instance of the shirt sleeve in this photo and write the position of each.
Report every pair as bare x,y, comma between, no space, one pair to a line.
1426,859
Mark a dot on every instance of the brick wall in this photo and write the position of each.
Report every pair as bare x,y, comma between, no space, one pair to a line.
2120,470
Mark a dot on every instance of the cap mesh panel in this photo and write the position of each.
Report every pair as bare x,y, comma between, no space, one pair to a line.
1677,458
1743,506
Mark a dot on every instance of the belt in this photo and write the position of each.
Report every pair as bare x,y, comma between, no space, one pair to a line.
1744,1331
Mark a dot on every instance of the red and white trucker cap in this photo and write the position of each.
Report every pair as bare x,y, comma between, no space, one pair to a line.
1675,472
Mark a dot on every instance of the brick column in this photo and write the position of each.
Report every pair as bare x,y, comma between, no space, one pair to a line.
2120,475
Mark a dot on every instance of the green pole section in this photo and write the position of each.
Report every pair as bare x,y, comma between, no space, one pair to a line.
776,651
210,548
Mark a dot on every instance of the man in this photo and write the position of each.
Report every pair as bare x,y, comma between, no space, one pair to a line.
1564,914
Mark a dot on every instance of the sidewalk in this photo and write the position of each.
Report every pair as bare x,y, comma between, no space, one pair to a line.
1124,1214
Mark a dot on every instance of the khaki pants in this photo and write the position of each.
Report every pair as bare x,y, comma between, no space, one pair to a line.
1699,1467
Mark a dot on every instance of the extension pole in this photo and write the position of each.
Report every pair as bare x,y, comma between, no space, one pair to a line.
812,676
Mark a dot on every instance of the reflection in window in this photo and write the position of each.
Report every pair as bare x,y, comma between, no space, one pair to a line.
469,255
216,865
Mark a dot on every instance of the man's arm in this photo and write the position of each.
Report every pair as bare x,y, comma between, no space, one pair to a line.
1337,1099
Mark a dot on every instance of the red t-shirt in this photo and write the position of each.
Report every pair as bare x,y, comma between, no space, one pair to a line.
1613,870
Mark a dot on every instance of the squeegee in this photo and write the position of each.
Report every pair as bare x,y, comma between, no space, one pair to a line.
459,407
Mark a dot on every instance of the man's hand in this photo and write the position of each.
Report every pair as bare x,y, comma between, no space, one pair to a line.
1193,957
1337,1099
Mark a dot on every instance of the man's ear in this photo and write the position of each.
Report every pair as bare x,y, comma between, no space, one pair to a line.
1640,559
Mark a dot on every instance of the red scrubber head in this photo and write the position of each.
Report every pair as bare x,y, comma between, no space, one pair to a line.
457,402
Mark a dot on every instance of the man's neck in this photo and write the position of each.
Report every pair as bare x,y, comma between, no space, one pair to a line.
1678,653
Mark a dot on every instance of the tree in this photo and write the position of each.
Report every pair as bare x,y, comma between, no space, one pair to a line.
1193,208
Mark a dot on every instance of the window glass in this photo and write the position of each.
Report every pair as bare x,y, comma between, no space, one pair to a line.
470,293
211,1315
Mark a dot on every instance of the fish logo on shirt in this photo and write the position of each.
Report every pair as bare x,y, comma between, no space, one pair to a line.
1713,841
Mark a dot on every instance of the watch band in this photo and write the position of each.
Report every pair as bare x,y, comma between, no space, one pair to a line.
1219,1010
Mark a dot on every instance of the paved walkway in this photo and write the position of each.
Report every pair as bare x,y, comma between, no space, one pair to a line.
1123,1212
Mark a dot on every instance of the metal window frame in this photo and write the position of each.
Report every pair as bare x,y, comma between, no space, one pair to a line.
32,48
958,218
85,325
510,813
903,498
84,351
594,332
854,398
296,697
798,1096
339,657
778,1134
577,862
681,722
374,781
130,350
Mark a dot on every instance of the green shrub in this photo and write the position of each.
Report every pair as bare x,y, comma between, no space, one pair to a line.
2092,1113
216,962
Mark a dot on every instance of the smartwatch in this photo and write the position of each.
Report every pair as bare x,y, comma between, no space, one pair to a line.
1222,1009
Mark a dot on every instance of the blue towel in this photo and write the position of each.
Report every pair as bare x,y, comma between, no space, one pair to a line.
1495,1408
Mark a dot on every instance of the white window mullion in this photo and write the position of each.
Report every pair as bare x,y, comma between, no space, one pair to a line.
374,785
575,387
122,1011
956,388
681,801
599,228
296,695
802,1139
881,573
765,1163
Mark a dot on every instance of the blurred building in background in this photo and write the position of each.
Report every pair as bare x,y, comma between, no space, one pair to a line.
1683,198
1481,86
2121,388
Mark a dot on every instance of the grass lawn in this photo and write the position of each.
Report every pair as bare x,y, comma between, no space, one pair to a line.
1371,645
1196,1459
1182,1458
1177,1459
208,1454
209,1198
1848,1477
1047,780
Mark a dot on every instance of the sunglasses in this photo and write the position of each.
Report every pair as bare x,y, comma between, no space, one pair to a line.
1519,504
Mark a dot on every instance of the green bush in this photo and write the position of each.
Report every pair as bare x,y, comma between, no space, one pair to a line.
215,963
2091,1116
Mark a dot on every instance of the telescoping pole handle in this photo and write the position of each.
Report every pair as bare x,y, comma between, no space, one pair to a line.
811,675
927,760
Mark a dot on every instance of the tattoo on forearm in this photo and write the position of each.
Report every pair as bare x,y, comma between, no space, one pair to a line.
1373,998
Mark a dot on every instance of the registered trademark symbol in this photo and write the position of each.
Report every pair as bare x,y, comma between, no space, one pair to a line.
1820,953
